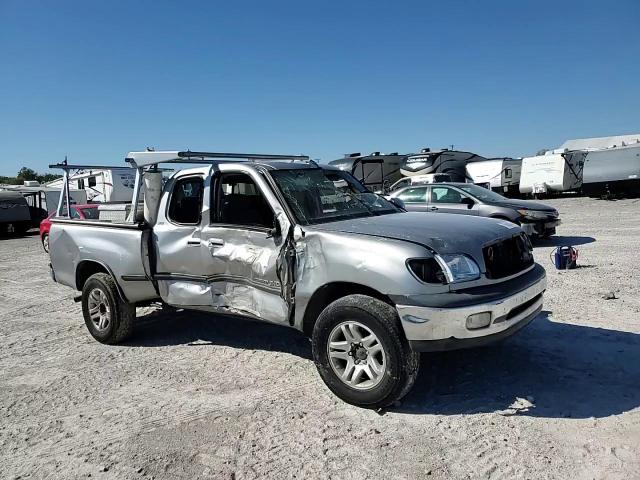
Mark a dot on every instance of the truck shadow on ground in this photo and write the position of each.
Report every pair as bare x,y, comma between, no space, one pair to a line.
168,326
566,371
560,241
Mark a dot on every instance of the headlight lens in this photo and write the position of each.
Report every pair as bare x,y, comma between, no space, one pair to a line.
443,269
460,268
427,270
533,214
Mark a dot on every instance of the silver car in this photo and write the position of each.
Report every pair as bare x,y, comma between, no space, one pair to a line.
285,241
536,219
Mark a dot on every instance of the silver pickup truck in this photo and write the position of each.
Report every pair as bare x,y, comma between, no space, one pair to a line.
287,241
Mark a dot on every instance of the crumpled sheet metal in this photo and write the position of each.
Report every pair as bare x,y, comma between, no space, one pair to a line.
238,255
179,292
245,299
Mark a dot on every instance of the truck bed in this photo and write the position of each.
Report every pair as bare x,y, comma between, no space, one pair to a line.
76,246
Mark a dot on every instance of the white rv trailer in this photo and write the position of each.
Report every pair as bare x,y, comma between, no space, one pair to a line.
376,171
427,161
612,164
102,185
421,180
553,172
497,174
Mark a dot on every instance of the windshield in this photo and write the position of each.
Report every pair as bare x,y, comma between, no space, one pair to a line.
317,196
482,193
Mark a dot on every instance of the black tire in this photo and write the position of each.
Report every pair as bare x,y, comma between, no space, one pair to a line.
45,242
401,363
122,314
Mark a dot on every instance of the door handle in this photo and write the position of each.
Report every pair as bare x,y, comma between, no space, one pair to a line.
215,242
433,209
193,243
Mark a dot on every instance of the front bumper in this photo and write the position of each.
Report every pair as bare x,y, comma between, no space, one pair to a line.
437,328
541,227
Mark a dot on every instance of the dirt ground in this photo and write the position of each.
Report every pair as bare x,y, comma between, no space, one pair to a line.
197,396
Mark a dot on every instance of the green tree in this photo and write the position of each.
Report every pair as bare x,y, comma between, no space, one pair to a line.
27,173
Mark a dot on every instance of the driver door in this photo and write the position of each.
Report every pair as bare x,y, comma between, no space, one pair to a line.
244,247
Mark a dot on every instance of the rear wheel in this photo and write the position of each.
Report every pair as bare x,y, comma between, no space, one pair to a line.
361,352
45,242
108,318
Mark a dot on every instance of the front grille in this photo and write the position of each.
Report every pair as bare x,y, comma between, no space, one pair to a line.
508,257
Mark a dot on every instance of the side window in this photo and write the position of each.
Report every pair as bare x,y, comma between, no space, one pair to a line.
81,184
74,213
91,181
445,195
414,195
186,201
240,202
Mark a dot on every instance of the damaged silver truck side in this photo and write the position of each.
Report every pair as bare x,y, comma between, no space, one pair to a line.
284,240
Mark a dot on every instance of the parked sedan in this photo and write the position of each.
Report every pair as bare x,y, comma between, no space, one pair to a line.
84,212
536,219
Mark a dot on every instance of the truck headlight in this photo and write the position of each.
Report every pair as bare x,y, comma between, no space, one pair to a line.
459,268
427,270
533,214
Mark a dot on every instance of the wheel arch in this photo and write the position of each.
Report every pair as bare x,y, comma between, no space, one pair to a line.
86,268
331,292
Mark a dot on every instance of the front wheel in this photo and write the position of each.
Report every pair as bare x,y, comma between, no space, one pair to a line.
108,318
361,352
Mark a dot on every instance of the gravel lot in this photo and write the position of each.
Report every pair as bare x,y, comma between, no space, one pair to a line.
196,396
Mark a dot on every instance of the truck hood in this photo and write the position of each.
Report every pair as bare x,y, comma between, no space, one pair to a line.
440,232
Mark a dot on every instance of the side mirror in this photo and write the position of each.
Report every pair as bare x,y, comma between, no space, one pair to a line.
398,203
468,202
276,230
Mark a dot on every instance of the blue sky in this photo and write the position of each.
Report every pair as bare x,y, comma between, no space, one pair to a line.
93,80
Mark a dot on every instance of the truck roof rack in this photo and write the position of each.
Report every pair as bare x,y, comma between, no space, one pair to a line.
139,160
143,159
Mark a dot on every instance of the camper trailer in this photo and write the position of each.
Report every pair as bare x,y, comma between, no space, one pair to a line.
427,161
14,213
43,201
612,164
498,174
102,185
553,172
420,180
376,171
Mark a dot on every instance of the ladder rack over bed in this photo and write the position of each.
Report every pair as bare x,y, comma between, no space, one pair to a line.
150,158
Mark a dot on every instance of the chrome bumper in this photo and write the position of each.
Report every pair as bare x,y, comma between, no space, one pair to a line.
429,328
